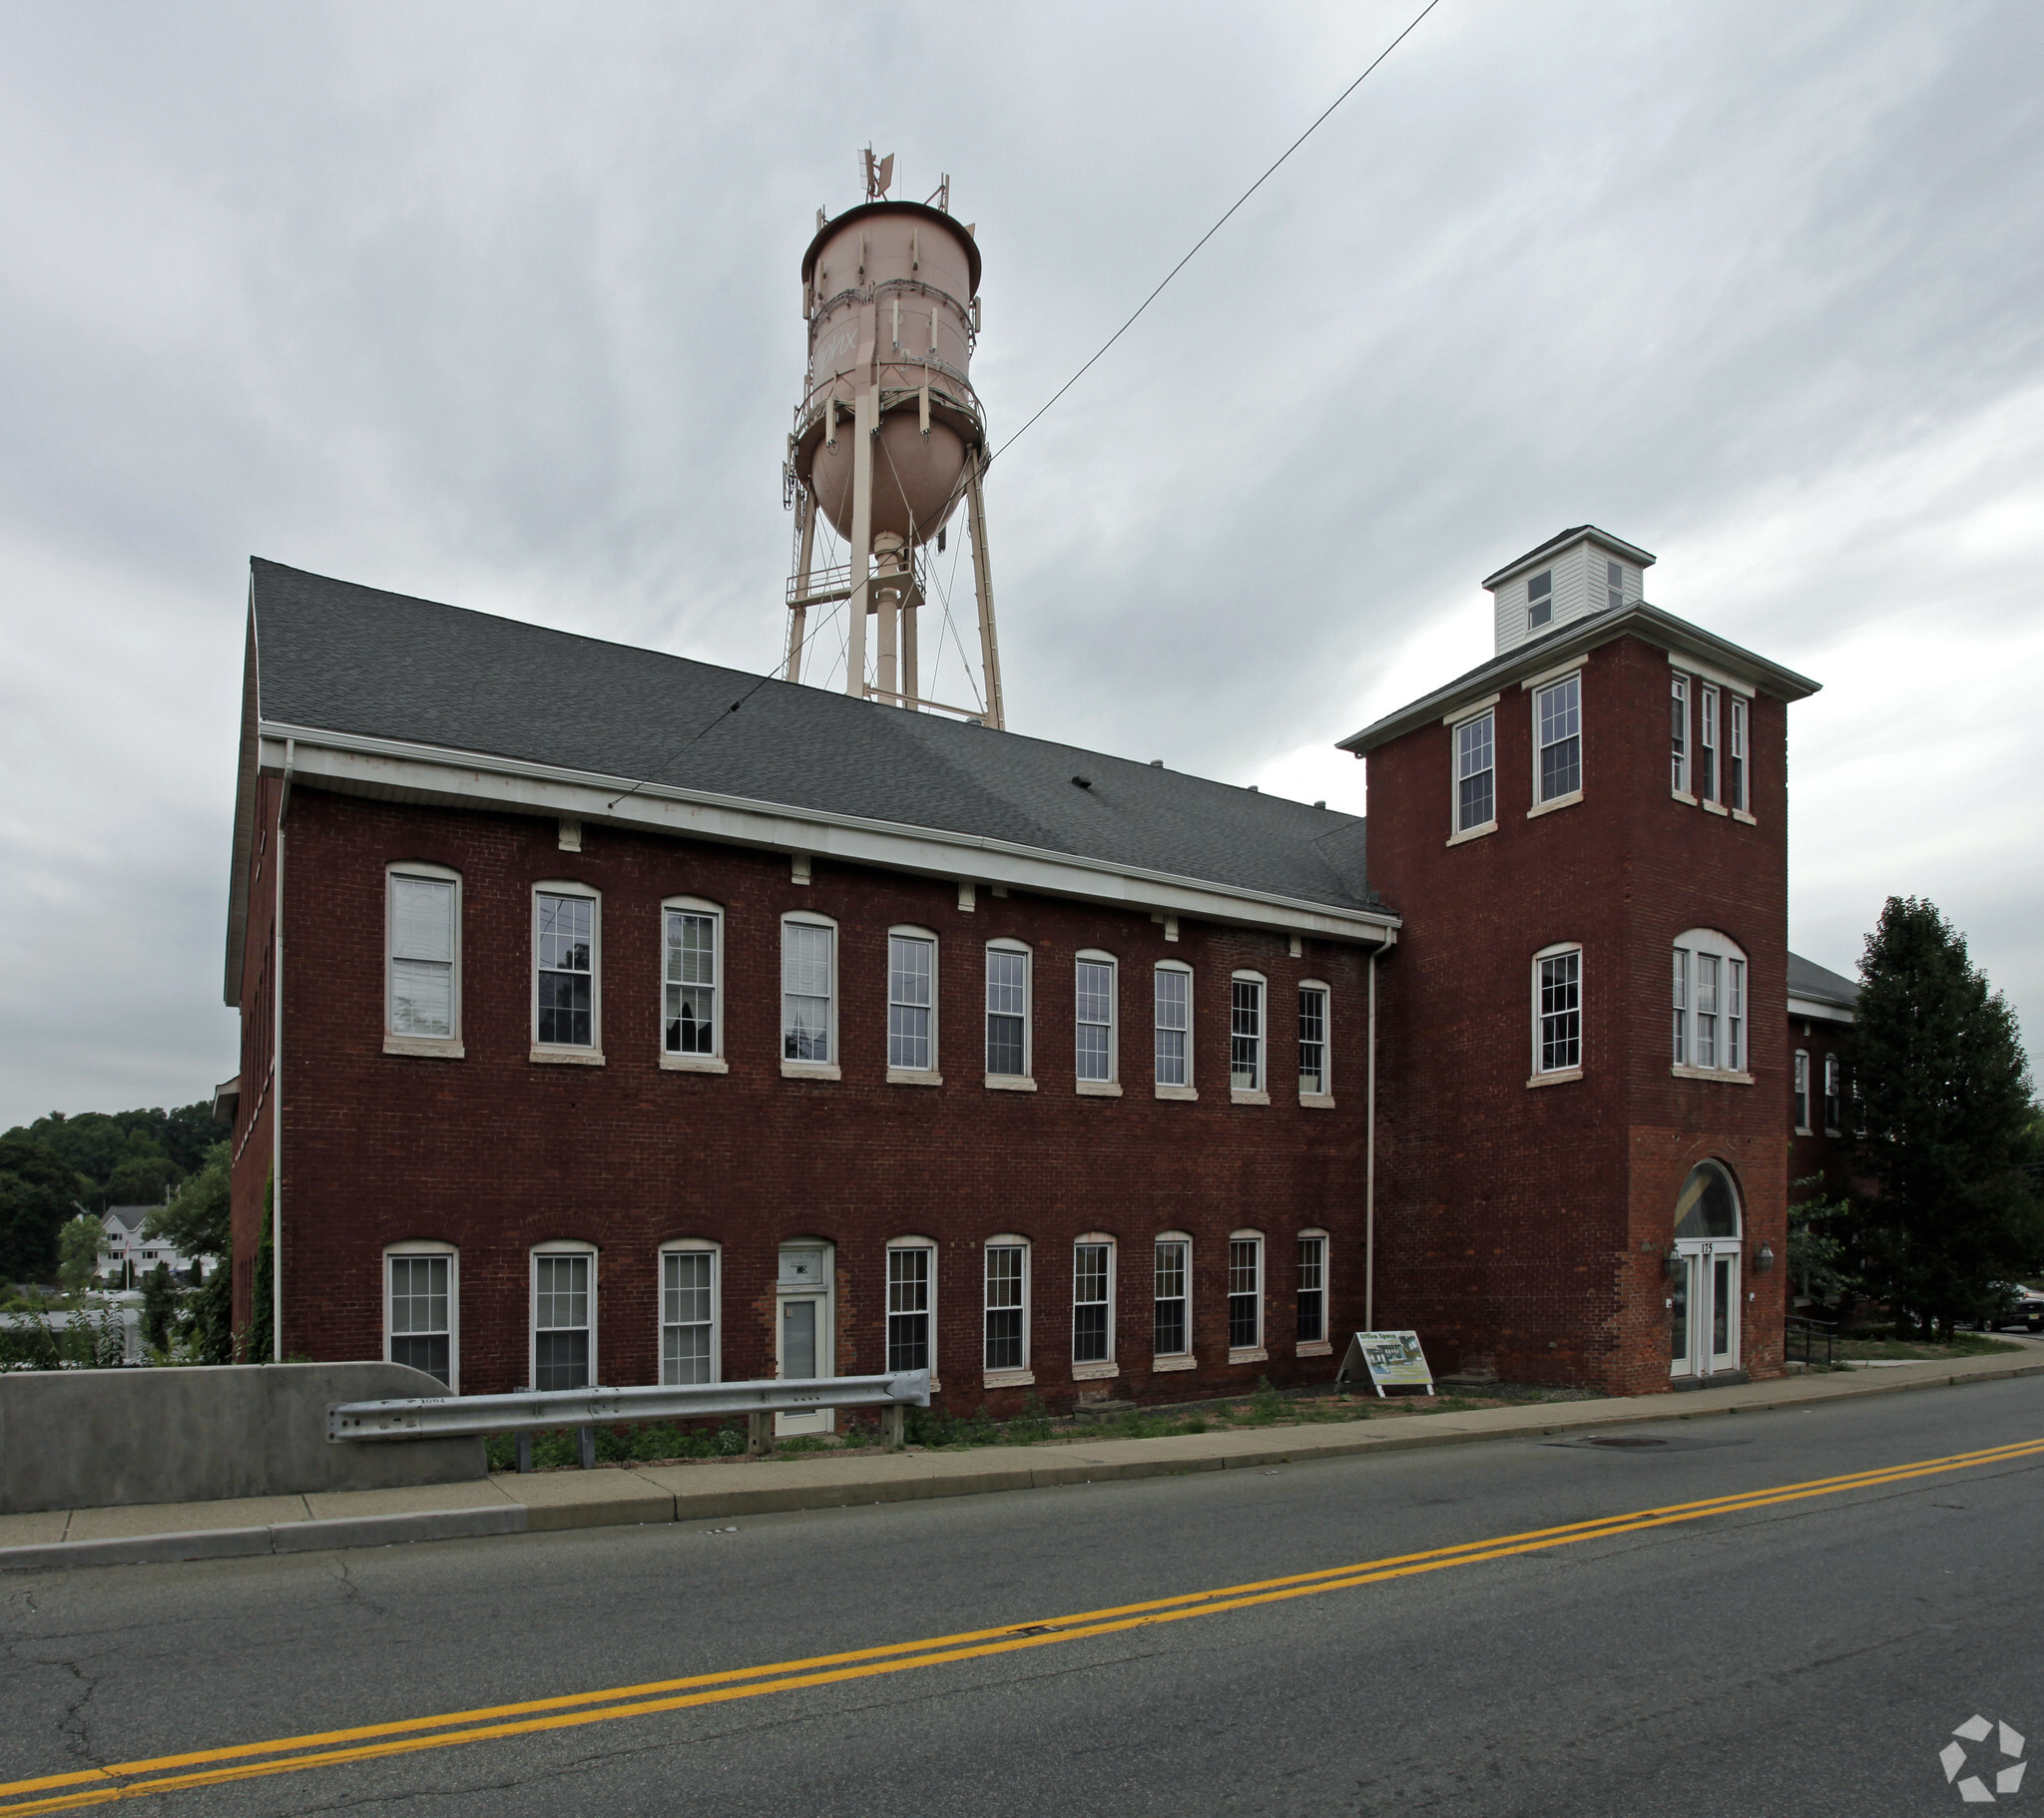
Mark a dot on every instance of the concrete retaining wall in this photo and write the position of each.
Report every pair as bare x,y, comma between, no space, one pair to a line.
87,1439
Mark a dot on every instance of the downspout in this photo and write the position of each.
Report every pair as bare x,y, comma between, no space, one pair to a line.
290,751
1370,1165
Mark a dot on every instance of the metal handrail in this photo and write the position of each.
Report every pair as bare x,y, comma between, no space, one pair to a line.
1810,1332
534,1409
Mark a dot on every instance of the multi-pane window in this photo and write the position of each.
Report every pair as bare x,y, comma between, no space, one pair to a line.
911,971
1094,1020
1558,738
1174,1016
807,986
1734,1013
567,971
1558,1011
1171,1317
1707,742
909,1306
1706,1008
1681,1005
422,957
1007,1305
423,1314
1007,1012
1313,1290
1735,756
1614,586
1092,1302
1540,600
1244,1293
1678,747
687,1316
1710,1002
560,1294
1312,1040
1834,1096
1476,773
1245,1034
1801,1090
691,1002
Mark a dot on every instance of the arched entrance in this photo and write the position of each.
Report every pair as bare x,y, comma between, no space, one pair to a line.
1704,1276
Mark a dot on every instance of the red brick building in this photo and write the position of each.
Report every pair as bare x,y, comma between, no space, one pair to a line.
610,1017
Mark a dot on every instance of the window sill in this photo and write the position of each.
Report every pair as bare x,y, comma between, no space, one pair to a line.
810,1070
1095,1372
913,1075
1469,833
1317,1101
1008,1082
568,1057
1236,1096
1177,1091
1007,1379
1247,1354
1560,801
1187,1362
1835,1134
1561,1076
1713,807
1720,1074
693,1064
1316,1347
427,1047
1739,814
1684,796
1098,1089
1803,1130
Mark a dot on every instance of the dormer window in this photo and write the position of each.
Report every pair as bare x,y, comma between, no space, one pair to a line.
1540,600
1614,587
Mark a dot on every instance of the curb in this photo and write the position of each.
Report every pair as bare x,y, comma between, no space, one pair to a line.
280,1537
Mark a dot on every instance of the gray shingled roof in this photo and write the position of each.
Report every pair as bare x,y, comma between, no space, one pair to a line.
346,659
1807,979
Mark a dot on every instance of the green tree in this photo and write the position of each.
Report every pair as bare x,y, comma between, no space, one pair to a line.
159,1307
197,1224
78,1252
1942,1109
36,1194
140,1179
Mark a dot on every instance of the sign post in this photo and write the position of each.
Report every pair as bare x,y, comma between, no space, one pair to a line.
1386,1357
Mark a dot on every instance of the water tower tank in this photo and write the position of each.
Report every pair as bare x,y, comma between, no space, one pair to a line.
890,291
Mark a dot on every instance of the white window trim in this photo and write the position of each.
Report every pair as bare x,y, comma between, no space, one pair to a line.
1190,1087
592,1056
444,1047
807,1069
1679,689
1323,1346
694,1246
430,1248
564,1246
1703,671
1324,1100
1457,833
1111,1086
1110,1366
1260,1093
1720,946
1534,690
1554,951
1025,1081
713,1062
1547,679
1258,1352
1017,1378
1799,1066
933,1074
1173,1360
913,1243
1739,751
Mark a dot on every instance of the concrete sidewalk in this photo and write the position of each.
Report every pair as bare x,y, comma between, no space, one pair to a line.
539,1502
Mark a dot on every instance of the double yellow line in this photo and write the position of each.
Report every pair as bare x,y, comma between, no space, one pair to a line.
369,1742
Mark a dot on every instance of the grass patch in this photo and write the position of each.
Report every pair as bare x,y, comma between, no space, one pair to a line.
1881,1347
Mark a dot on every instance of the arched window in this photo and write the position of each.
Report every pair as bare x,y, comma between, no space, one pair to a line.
911,1009
912,1303
1007,1310
1093,1335
422,1309
1172,1310
809,993
1007,1015
1173,1017
1708,1205
563,1315
422,945
567,972
1558,1011
692,987
1709,991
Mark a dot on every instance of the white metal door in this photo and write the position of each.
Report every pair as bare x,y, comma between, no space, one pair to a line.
1703,1308
802,1329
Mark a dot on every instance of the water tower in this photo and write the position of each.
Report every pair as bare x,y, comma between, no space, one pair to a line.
888,438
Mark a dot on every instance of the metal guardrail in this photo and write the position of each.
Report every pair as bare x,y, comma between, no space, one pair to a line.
1802,1339
528,1411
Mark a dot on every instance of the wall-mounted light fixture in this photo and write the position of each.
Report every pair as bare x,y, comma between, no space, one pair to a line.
1764,1259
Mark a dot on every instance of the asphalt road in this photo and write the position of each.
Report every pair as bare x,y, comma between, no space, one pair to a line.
1803,1656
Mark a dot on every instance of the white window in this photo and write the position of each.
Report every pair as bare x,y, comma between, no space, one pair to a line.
563,1316
691,1007
423,938
1093,1299
1171,1325
1174,1020
1558,739
1245,1291
1314,1080
1313,1287
421,1309
1735,758
1707,742
1540,600
1007,1010
809,988
1246,1031
1614,586
1710,1003
912,1303
688,1314
1007,1304
1834,1096
911,1003
1677,703
1476,773
1802,1091
1095,986
565,958
1558,1009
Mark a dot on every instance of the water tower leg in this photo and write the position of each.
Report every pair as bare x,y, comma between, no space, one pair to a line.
799,618
884,679
864,421
983,585
911,676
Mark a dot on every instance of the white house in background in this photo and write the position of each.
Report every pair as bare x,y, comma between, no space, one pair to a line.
126,1255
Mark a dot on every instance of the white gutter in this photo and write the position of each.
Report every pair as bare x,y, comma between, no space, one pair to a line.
283,797
1807,1009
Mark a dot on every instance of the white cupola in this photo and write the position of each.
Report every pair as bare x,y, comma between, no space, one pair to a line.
1582,572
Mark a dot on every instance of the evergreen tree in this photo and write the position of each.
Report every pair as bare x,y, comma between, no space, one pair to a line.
36,1194
159,1307
1941,1110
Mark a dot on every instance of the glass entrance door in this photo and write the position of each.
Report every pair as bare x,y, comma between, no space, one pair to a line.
1702,1309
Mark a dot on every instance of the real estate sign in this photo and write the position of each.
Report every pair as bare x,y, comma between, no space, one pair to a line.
1392,1358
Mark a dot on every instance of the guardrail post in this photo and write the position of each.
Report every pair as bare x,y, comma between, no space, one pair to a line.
585,1448
760,1435
891,1421
525,1452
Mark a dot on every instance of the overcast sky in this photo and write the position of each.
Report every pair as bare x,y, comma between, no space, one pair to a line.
499,304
